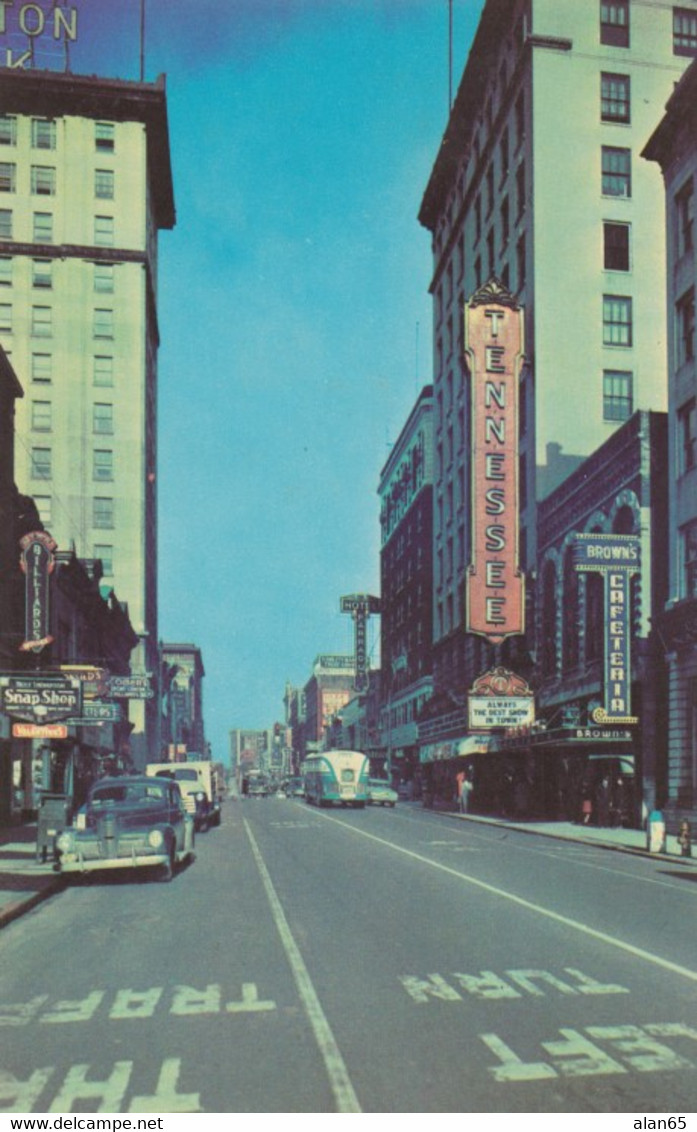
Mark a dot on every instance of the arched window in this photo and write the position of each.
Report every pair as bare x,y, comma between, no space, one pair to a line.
549,621
570,615
595,617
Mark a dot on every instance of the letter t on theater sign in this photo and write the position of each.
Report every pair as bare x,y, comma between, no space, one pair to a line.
495,606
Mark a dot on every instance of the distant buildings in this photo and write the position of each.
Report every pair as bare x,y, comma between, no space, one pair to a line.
182,672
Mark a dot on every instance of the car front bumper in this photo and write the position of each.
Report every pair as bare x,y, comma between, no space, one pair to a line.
76,862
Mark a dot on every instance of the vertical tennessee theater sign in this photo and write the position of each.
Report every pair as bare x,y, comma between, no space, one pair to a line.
616,558
494,349
37,564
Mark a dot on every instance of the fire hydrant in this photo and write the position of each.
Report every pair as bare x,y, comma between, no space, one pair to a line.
685,839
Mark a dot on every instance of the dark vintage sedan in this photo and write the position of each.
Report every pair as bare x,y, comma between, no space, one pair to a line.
128,823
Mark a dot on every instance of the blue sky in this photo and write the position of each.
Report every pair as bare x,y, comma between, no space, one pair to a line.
294,309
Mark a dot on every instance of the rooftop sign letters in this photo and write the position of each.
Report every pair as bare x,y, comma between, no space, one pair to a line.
616,558
494,349
26,23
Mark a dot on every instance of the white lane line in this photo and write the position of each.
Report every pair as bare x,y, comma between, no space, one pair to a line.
344,1093
586,929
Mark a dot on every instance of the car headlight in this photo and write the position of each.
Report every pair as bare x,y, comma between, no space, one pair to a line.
200,797
155,838
65,842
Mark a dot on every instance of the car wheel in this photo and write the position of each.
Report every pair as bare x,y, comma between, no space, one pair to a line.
167,870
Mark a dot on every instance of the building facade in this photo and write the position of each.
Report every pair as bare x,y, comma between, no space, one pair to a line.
674,147
85,188
557,206
406,586
329,688
183,731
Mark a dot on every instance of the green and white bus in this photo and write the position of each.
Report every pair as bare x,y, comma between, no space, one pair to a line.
339,777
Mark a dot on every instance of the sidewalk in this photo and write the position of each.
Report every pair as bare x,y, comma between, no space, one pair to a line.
24,881
621,840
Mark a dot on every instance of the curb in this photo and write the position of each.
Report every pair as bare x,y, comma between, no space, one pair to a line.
632,850
17,908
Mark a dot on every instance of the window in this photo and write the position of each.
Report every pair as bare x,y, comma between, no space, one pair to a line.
520,262
617,395
104,277
616,172
614,98
8,129
43,180
41,416
490,252
43,133
105,553
104,231
103,465
614,23
43,227
685,312
687,437
688,563
616,246
103,326
520,189
41,464
520,118
503,154
5,223
8,176
44,507
41,322
477,218
5,271
103,370
684,31
104,184
42,368
505,223
617,320
103,513
104,137
42,273
490,189
103,418
5,318
684,214
478,272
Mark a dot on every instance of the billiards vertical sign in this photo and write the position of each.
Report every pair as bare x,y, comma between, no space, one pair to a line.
37,563
495,605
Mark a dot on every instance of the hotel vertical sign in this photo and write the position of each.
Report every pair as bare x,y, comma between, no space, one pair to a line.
495,606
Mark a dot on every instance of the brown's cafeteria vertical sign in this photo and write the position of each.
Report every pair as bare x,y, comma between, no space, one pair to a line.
37,563
495,606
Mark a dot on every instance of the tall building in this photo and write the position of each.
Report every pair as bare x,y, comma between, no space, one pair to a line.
85,187
406,584
674,147
538,183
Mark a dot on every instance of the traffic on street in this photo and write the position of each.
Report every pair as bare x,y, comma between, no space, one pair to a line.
377,959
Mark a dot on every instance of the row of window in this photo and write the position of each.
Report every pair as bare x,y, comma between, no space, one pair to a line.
615,26
102,506
42,180
41,372
44,133
41,325
102,417
42,228
42,274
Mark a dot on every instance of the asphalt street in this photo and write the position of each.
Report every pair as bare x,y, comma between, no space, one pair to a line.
359,961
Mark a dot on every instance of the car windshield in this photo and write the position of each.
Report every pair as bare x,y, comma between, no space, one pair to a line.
128,793
185,775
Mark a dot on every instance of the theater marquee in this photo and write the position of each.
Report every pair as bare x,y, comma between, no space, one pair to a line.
494,348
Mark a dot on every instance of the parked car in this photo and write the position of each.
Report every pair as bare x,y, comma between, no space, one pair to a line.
295,788
380,793
128,823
